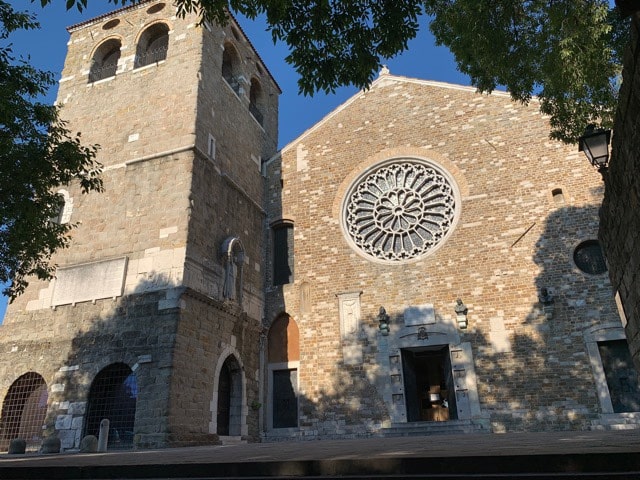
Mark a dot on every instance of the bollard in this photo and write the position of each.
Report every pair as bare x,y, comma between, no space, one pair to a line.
17,445
50,445
103,437
89,444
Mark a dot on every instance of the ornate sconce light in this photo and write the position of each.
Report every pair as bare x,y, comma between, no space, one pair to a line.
461,314
595,145
545,297
383,322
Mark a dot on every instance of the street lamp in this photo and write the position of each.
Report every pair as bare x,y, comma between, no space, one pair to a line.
595,145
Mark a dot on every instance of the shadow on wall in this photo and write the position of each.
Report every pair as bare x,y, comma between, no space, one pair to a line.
112,365
548,357
533,364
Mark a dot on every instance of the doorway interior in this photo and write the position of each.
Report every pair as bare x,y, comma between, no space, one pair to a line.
428,384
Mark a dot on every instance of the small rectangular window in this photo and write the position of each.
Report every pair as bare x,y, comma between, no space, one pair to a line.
283,254
211,147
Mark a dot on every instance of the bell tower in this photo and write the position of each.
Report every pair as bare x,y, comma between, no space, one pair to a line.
158,300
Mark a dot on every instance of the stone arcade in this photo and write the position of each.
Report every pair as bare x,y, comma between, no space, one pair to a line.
219,289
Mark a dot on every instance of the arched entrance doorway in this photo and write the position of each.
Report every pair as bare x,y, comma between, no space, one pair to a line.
113,396
24,411
283,363
230,394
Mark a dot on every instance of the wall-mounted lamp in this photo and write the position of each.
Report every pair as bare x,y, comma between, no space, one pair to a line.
461,314
595,145
545,297
383,322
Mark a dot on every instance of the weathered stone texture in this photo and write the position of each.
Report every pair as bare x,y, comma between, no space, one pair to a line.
620,222
178,253
511,240
168,205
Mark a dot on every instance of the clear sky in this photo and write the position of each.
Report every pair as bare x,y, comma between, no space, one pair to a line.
47,49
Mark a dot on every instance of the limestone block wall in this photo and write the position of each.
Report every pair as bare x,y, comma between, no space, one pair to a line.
232,139
210,333
620,223
220,210
68,346
242,140
141,216
139,111
525,203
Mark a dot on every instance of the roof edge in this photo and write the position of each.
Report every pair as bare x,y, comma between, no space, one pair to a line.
383,78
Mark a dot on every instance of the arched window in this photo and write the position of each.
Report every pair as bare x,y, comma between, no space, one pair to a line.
113,396
24,411
255,100
232,261
283,354
152,45
231,67
105,60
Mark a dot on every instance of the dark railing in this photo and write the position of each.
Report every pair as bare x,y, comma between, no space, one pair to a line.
257,114
103,71
151,56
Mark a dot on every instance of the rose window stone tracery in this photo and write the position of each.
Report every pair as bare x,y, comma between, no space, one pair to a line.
400,211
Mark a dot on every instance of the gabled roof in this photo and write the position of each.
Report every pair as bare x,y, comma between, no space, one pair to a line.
384,79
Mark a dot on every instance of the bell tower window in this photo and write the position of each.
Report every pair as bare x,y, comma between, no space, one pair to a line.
153,45
105,60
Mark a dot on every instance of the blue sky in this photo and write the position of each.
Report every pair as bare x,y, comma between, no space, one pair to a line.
47,46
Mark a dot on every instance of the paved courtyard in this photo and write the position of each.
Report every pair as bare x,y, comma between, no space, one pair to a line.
440,456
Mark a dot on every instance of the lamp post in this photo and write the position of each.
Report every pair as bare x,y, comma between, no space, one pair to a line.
595,145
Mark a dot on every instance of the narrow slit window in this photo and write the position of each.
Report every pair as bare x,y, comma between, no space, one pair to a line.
283,260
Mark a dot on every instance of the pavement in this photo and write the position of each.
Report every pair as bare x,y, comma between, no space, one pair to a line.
592,454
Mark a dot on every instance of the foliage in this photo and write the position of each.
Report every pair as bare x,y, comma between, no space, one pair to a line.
37,156
566,52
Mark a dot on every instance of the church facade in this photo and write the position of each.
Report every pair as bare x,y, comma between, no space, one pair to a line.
423,260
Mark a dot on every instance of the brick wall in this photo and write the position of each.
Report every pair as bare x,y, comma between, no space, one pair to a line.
512,238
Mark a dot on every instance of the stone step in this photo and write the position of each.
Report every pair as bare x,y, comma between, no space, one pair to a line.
451,427
232,440
616,421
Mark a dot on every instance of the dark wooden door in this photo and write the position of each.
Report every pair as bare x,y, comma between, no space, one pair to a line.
285,399
224,400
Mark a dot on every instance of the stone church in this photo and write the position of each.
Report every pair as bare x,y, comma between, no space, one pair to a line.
423,260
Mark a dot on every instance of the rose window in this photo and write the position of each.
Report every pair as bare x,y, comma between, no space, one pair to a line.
400,211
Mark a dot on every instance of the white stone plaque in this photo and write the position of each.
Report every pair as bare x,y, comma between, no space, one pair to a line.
91,281
419,315
349,306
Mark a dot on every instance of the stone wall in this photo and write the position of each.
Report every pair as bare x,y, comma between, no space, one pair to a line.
68,346
525,204
620,222
141,283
